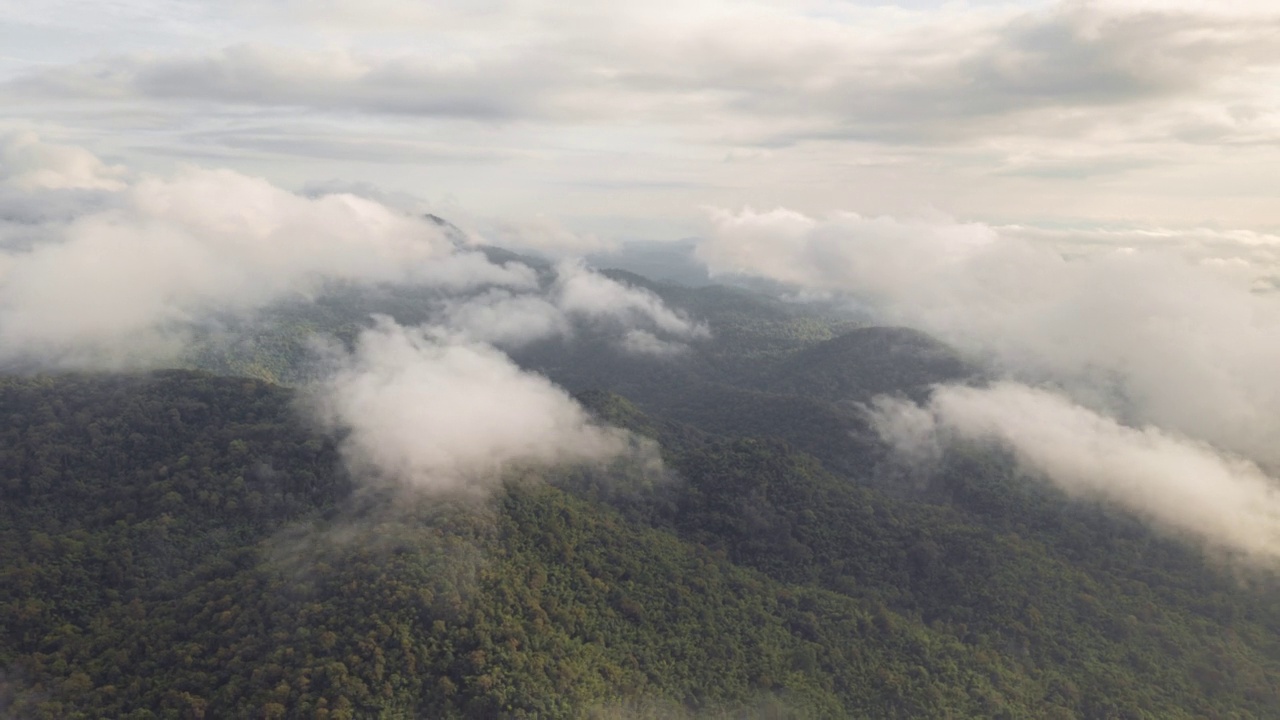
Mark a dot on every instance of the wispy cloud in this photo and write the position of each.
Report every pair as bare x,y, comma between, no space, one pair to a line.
1179,483
1151,349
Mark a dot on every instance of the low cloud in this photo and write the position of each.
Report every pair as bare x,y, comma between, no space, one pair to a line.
1177,482
27,163
575,296
441,414
589,294
506,318
639,342
1160,347
120,282
542,233
1148,331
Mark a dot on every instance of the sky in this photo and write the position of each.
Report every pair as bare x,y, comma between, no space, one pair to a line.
610,121
1076,195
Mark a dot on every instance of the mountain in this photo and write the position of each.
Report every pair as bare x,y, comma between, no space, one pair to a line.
184,543
870,361
179,545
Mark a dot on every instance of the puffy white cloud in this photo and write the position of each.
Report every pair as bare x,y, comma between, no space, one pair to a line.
119,284
620,116
1177,482
588,294
441,414
120,277
508,319
1161,347
576,296
28,163
1150,331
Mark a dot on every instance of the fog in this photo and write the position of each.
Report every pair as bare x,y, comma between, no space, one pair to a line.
1158,355
133,266
442,414
1179,483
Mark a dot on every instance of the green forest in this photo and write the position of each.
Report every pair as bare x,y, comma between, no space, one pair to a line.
178,545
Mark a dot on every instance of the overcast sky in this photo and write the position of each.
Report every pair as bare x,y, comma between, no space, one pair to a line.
631,119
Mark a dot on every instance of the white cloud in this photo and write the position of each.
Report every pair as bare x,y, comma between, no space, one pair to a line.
640,320
1159,344
588,294
507,319
120,283
444,415
27,163
1151,331
949,73
546,234
121,277
1177,482
640,342
620,115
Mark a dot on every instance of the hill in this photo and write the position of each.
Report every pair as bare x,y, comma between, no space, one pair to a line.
870,361
179,545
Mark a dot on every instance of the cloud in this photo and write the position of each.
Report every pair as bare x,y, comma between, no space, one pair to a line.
1152,332
27,163
1102,110
426,409
545,234
575,296
845,71
405,202
591,295
120,284
507,319
1160,348
1176,482
121,277
640,342
257,74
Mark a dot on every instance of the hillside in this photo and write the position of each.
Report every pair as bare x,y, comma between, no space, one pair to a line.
178,545
870,361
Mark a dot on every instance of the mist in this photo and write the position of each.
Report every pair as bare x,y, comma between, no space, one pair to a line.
1178,483
121,269
133,268
576,296
120,285
1159,352
442,414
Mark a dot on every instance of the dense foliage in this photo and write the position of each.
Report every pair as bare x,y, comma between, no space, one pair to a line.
179,545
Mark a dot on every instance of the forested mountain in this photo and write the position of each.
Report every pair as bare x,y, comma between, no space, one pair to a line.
179,545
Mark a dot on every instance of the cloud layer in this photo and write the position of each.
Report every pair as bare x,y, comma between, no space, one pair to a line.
131,269
176,250
1151,333
1153,353
123,273
862,71
1176,482
445,415
613,114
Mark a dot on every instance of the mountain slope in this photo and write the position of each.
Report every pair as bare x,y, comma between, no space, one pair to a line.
177,545
870,361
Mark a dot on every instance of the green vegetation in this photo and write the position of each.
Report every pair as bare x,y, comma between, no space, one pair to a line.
177,545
